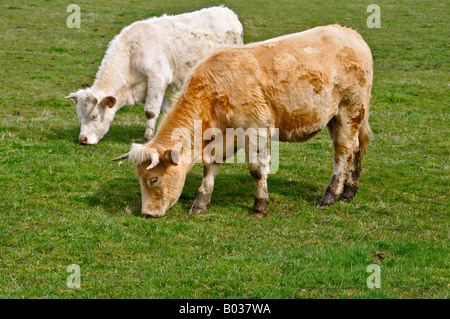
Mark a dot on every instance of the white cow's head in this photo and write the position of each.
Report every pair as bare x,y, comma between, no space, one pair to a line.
95,112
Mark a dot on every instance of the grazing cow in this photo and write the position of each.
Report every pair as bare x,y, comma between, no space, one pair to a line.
297,83
146,59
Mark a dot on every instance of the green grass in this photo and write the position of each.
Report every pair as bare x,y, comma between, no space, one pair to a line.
62,203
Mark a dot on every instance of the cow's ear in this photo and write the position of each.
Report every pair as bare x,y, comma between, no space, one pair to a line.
73,97
109,101
171,157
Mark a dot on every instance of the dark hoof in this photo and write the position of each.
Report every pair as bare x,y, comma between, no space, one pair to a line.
200,204
348,194
195,210
260,207
327,200
145,140
259,214
148,137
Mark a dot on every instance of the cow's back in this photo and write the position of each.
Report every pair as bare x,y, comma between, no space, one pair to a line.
190,37
309,74
176,43
315,59
295,82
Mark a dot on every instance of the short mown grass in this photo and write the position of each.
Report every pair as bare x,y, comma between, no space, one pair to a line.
62,203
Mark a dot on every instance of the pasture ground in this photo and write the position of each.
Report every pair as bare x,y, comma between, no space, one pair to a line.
62,203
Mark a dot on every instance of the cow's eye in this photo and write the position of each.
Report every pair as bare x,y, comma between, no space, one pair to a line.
153,181
94,116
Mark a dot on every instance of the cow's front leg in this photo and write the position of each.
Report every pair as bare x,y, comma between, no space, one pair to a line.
261,192
258,165
152,108
165,106
205,191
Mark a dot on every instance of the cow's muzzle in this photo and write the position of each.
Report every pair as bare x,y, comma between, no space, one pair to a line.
152,213
83,140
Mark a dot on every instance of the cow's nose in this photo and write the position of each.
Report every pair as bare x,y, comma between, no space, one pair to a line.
83,140
152,214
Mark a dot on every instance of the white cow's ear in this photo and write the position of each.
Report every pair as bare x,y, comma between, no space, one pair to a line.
73,97
171,157
109,101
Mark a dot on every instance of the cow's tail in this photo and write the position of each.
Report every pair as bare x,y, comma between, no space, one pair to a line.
365,134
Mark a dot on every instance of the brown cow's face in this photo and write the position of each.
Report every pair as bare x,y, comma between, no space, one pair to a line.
161,186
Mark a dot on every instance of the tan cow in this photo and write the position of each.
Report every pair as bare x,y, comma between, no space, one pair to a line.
298,83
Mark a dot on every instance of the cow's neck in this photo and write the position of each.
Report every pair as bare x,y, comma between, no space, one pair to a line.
120,93
189,119
113,78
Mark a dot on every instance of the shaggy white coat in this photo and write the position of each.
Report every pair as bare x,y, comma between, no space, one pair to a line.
147,58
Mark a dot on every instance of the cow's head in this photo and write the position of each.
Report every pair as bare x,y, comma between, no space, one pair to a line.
161,175
95,113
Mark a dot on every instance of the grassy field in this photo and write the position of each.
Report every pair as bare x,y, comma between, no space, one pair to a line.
62,203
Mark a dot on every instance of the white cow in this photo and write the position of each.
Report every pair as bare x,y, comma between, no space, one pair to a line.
145,59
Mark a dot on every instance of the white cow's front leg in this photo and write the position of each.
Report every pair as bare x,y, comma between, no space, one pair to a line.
152,108
165,105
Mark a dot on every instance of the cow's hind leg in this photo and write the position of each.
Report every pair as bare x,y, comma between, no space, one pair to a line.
345,140
200,204
351,184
